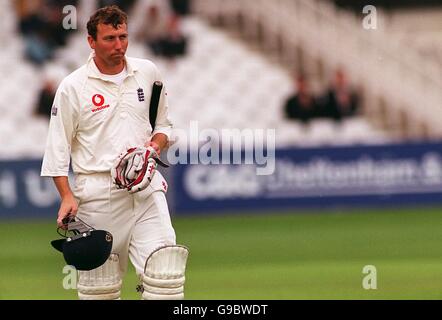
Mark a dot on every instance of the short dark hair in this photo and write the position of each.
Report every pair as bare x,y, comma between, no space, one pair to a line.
107,15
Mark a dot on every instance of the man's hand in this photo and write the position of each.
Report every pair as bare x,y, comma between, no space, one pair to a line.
134,169
68,207
154,145
159,142
145,178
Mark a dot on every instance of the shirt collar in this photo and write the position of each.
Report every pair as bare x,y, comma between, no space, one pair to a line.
93,71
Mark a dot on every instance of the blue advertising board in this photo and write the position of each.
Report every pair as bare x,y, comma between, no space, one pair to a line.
23,193
316,177
399,174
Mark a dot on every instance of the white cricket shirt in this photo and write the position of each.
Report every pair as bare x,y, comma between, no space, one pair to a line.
94,120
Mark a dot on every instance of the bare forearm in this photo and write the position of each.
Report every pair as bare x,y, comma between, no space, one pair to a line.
62,184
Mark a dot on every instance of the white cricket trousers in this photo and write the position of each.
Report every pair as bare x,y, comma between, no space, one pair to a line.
139,222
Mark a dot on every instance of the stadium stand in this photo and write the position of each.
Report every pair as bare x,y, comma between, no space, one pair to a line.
233,85
19,88
418,28
401,89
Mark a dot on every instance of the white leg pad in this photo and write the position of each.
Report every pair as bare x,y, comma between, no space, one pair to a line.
164,274
102,283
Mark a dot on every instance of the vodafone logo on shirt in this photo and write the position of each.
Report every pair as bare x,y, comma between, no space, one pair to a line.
98,101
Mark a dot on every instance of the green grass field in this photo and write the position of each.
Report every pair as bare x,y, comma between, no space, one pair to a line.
265,256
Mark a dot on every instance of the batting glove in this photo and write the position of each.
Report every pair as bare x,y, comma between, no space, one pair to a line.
134,169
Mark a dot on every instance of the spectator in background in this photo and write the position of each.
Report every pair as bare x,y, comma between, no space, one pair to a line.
45,99
153,25
33,28
341,100
156,25
52,77
180,7
301,106
174,43
53,15
125,5
41,24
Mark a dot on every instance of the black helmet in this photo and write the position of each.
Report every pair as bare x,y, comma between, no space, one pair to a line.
87,249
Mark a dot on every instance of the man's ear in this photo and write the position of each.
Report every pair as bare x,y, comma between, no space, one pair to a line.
91,42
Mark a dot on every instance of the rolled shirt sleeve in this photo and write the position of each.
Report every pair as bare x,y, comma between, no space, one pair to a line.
62,125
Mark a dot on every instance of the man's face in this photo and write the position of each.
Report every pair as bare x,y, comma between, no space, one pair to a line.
111,44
